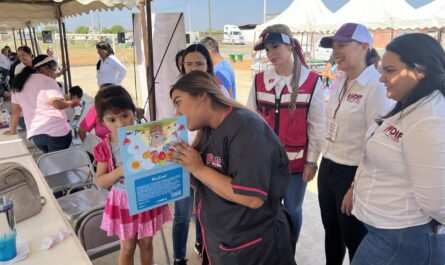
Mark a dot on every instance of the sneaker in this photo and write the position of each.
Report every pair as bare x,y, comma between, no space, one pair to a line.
180,262
198,249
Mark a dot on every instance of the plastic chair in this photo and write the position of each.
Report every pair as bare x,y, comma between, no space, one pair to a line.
66,168
93,239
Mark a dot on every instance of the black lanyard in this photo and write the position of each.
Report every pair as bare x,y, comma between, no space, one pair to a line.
343,92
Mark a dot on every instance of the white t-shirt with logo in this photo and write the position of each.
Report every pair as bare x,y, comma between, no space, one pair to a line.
400,181
364,100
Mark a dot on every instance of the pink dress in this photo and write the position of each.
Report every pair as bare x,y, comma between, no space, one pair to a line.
117,219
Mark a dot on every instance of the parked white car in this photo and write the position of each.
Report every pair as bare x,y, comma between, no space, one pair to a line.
321,53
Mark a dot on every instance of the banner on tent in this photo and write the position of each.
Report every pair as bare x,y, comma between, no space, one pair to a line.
169,30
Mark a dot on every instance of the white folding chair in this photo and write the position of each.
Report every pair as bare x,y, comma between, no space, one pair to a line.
66,168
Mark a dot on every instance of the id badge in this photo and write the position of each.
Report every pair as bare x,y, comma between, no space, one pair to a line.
331,131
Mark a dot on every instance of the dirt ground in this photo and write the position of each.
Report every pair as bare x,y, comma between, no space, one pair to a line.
84,53
83,59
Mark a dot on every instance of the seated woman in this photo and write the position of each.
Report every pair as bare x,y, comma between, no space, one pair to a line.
36,94
240,210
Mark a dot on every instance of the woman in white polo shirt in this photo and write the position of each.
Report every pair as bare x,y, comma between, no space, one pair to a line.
109,69
358,98
399,190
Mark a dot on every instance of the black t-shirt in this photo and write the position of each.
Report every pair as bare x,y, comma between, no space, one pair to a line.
244,148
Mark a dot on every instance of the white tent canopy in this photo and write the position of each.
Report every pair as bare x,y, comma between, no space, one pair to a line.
300,16
16,14
434,11
375,14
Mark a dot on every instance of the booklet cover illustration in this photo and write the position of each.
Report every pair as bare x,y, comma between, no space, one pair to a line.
151,179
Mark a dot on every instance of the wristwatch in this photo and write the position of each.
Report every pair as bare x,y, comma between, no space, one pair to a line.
311,164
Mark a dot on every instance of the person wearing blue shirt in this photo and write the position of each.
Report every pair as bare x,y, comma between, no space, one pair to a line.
223,69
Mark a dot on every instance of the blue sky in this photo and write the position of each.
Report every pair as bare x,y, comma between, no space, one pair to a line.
237,12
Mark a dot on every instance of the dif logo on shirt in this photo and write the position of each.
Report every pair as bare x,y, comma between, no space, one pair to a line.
354,98
393,133
214,161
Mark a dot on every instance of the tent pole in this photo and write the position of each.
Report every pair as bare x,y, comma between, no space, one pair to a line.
150,65
210,19
15,42
148,51
144,29
134,63
21,38
35,41
62,50
312,46
32,41
302,39
24,37
68,68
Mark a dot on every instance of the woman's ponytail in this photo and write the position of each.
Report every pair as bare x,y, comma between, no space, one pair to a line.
19,80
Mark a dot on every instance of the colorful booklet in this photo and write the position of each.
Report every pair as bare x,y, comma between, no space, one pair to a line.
150,179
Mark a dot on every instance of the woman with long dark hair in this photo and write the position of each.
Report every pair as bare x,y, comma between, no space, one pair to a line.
399,190
109,69
38,96
194,57
197,57
240,174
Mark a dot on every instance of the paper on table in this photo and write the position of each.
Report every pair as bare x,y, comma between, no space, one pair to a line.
51,240
22,253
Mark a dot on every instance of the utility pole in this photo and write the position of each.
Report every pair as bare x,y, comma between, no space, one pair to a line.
210,20
190,17
98,22
264,10
92,23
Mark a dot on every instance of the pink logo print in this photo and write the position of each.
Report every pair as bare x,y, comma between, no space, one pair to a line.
209,159
271,80
393,133
213,161
354,98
